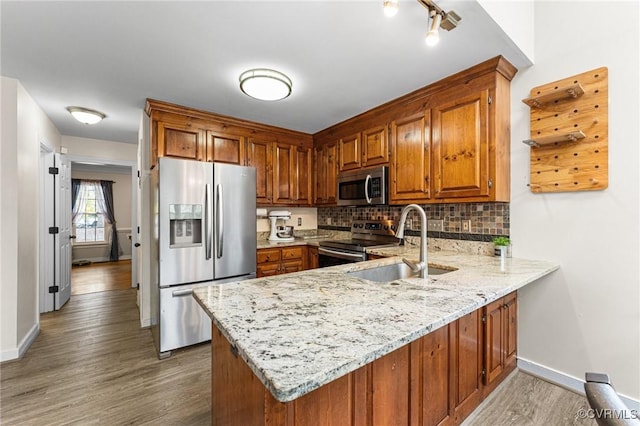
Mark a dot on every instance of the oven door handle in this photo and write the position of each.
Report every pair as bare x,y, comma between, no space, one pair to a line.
341,254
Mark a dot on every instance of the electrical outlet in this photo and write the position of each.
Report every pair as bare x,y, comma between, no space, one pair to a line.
328,221
409,223
299,221
466,226
435,225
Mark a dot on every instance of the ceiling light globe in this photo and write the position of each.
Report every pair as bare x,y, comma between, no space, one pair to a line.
390,7
85,115
265,84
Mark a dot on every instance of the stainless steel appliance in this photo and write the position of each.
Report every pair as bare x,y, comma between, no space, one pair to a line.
365,234
363,187
205,222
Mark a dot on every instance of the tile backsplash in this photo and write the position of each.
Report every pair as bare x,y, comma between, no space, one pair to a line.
487,219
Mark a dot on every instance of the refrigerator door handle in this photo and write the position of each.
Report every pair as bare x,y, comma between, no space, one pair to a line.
219,220
208,225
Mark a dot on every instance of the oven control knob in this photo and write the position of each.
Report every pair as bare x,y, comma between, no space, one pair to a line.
393,227
386,227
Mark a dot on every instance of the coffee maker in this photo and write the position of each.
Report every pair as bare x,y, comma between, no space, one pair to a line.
282,232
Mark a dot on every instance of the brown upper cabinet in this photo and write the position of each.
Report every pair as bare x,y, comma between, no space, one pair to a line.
446,142
225,148
282,158
326,173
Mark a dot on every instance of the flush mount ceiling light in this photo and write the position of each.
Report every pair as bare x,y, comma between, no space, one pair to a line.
85,115
265,84
439,18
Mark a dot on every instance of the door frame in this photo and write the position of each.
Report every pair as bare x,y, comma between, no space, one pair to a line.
134,201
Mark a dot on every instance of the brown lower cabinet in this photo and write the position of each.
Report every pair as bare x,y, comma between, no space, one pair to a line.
276,261
435,380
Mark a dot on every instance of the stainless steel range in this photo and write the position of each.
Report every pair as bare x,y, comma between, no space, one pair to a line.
365,234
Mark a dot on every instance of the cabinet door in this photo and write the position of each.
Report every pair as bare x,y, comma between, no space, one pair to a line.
313,258
410,161
283,173
291,266
494,340
224,148
259,156
461,147
435,399
331,178
179,140
349,150
466,364
268,255
320,175
304,170
510,319
267,269
375,147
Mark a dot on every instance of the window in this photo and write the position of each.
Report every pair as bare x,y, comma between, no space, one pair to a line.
89,220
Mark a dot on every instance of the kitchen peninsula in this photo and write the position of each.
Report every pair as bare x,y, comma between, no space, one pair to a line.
321,346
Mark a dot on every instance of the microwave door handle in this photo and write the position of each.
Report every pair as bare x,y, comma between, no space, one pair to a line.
220,220
208,225
366,189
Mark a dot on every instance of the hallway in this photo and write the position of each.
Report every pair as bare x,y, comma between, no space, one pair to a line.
103,276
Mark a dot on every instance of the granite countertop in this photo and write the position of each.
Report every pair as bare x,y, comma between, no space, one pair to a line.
300,331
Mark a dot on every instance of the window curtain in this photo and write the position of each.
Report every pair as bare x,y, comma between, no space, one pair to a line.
75,191
106,206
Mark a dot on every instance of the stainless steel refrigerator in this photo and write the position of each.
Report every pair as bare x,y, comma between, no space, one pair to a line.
205,233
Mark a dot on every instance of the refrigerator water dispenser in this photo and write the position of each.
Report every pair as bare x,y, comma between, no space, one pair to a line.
185,225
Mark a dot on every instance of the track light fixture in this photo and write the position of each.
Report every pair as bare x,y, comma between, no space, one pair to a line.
439,18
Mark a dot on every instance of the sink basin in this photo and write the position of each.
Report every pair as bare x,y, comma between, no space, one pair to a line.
392,272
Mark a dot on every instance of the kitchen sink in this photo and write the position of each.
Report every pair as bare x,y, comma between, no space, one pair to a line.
393,272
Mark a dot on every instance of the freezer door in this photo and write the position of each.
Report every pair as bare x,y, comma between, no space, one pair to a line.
234,241
185,221
182,321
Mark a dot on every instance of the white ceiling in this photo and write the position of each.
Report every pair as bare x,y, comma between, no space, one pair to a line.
344,57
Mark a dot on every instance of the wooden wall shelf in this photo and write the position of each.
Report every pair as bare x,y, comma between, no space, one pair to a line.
554,139
569,134
559,93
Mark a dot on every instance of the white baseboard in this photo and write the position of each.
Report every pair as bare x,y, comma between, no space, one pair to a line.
566,381
19,351
103,259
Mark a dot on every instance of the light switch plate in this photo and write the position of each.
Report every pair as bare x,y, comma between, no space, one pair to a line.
435,225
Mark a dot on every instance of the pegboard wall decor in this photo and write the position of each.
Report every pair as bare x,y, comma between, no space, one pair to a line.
569,133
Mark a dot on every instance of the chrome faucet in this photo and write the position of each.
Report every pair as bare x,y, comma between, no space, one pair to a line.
422,265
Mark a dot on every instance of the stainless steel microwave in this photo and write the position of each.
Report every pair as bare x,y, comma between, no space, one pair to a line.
363,187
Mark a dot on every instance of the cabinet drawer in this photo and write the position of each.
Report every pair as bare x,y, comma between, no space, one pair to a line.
292,253
268,255
291,266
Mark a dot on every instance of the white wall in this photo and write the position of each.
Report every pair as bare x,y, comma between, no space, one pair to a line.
585,317
516,18
24,128
309,216
101,149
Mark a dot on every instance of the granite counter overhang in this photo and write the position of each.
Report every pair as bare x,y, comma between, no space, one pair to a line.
300,331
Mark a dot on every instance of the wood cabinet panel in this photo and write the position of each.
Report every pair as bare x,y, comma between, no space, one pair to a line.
234,404
268,255
501,334
390,385
304,176
225,148
511,329
180,141
461,147
375,146
283,173
268,269
349,151
259,156
466,346
326,173
292,253
435,378
313,262
410,163
328,405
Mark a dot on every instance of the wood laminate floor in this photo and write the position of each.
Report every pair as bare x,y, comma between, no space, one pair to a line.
524,400
102,276
93,364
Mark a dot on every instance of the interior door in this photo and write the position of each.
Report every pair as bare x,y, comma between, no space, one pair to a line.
62,208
